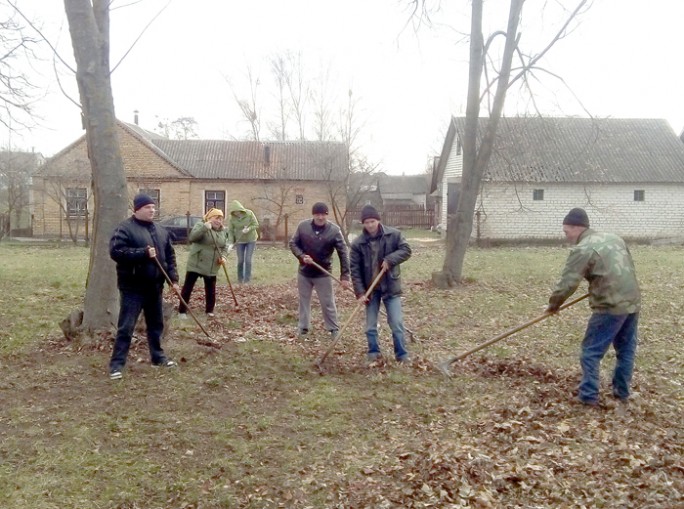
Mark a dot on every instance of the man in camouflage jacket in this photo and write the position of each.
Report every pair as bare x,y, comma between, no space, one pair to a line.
604,260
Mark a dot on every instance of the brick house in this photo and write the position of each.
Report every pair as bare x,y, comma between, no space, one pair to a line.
279,181
627,173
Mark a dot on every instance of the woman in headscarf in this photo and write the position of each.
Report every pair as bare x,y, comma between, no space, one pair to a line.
242,232
208,251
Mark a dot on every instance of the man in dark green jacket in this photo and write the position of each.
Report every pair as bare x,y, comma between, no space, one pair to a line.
604,260
379,247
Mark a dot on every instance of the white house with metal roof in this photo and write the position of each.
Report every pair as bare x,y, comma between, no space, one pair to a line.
628,174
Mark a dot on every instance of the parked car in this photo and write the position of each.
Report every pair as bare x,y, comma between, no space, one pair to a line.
178,228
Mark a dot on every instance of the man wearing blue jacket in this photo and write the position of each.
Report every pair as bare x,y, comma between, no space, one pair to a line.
316,240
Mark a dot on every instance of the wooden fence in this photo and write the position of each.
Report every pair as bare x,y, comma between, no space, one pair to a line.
404,216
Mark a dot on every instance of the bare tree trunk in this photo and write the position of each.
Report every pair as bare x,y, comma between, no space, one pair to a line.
460,224
89,28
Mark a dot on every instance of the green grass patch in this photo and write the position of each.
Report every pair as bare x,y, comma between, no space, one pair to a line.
255,425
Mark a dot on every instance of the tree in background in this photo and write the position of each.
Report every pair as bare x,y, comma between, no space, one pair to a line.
89,29
16,90
344,197
183,128
249,106
16,169
497,70
296,99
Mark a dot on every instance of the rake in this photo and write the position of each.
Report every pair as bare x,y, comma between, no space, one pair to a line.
178,293
319,362
225,271
382,310
445,365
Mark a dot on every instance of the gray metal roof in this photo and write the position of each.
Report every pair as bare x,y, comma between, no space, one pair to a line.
247,160
610,150
404,184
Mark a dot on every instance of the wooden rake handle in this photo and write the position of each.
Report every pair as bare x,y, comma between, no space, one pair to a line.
225,271
168,280
375,282
510,332
382,310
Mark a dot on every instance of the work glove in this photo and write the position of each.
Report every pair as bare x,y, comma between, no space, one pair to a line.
245,229
230,247
207,225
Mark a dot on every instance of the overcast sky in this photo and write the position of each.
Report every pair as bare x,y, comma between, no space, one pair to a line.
622,60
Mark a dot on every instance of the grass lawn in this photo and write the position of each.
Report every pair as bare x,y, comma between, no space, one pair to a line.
253,424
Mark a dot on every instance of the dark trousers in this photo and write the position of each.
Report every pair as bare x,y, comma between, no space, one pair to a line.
149,301
209,291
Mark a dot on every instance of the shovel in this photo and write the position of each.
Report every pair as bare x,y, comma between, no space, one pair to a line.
382,310
319,362
445,365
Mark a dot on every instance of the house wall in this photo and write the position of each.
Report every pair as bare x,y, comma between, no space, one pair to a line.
267,200
179,196
143,167
179,193
508,211
417,198
452,173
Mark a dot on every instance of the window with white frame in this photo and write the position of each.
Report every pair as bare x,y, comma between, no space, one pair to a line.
537,194
76,201
215,200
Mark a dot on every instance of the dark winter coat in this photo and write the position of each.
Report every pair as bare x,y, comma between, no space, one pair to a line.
135,270
319,246
393,249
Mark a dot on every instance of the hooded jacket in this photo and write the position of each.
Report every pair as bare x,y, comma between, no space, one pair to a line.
204,253
392,248
238,218
320,246
135,270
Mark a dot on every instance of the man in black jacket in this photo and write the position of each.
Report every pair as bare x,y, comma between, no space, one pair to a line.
315,241
136,243
379,247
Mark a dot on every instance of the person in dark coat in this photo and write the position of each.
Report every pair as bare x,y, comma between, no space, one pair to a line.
315,240
378,247
136,243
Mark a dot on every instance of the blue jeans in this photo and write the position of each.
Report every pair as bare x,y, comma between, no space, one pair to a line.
602,331
395,320
149,301
244,256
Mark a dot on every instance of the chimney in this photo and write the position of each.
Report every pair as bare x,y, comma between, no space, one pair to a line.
135,117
